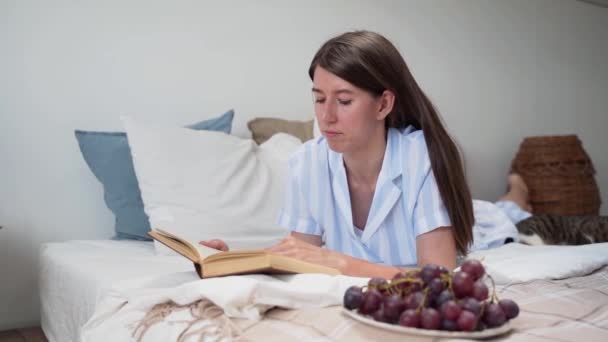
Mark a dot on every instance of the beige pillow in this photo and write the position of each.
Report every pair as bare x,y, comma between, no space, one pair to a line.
316,131
264,128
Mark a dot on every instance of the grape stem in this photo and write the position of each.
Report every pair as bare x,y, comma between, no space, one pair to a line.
403,280
494,296
448,279
423,301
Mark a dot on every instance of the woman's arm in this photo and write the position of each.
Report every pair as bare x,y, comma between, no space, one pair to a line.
307,247
437,247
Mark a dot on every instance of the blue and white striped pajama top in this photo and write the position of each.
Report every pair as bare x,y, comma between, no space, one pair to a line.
406,200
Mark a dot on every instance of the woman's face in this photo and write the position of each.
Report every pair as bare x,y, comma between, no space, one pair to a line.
348,116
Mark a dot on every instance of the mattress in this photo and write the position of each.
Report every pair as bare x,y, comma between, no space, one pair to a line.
75,274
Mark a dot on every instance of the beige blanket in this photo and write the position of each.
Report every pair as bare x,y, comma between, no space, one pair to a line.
574,309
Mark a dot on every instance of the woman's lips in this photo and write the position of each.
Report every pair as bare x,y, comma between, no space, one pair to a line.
332,134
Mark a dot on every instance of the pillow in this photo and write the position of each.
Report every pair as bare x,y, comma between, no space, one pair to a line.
203,185
108,156
264,128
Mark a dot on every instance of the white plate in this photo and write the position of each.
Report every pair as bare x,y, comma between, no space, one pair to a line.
503,329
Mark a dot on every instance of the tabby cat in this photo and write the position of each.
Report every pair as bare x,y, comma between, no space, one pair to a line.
548,229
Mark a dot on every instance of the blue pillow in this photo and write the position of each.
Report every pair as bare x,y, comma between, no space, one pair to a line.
109,158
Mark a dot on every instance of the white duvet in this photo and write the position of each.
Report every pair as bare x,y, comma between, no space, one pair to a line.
250,296
121,311
514,262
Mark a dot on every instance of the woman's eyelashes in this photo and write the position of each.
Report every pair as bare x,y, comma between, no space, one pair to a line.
341,102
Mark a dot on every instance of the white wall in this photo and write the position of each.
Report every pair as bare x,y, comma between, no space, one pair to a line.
497,70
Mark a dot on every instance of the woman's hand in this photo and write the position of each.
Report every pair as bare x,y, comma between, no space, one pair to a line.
306,247
215,244
298,249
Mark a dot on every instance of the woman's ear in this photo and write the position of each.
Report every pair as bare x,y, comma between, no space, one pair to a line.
386,104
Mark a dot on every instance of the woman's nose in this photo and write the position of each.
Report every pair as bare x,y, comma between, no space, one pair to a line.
328,112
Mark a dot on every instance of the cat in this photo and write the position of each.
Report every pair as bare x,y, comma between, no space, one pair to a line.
549,229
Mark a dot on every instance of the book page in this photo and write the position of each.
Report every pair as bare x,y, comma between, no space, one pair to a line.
194,246
204,251
234,255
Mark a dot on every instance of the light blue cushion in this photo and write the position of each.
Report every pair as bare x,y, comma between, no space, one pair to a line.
109,157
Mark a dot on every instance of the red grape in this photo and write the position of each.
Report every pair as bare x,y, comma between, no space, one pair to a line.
372,298
429,272
450,310
462,284
480,290
379,315
493,315
393,306
405,283
436,286
430,319
414,287
378,283
353,297
467,321
443,297
448,325
510,308
398,281
414,300
410,318
472,305
473,268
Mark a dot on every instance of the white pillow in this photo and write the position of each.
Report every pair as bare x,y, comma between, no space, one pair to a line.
203,184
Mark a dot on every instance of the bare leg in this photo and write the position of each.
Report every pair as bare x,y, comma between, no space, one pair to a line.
517,192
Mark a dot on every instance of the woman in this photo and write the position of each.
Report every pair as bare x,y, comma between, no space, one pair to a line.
384,187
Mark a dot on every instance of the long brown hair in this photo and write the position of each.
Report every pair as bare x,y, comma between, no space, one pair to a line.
371,62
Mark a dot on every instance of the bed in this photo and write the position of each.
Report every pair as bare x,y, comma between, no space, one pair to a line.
134,291
75,274
80,280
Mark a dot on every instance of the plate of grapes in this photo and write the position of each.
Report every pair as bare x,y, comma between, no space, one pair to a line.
432,301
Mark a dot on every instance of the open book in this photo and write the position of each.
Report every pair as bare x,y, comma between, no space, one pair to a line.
210,262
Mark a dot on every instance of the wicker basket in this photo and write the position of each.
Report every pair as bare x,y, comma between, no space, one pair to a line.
559,175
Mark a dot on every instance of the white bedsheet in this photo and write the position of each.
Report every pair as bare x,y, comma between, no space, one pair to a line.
74,275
